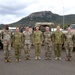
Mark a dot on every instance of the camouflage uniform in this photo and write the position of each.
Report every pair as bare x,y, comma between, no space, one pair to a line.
18,40
37,40
27,44
7,34
0,36
73,40
68,45
48,44
57,38
1,40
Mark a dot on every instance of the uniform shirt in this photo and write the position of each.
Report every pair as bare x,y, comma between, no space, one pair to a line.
18,38
37,37
47,37
57,37
27,37
7,34
69,37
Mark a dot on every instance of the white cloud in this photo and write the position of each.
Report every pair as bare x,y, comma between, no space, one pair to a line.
13,10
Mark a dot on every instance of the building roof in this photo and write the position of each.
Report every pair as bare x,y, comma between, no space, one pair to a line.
44,23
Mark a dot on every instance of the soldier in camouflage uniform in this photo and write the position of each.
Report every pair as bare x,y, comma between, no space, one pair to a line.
7,34
57,38
27,43
0,34
18,41
48,44
74,40
37,41
1,45
68,44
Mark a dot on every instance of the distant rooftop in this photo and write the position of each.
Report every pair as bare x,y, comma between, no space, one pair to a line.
44,23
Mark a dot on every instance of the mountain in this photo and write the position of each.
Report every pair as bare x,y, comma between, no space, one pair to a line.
44,16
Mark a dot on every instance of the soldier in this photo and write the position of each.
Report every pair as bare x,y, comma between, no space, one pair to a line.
1,45
27,43
69,44
7,34
48,44
18,41
74,40
57,38
37,41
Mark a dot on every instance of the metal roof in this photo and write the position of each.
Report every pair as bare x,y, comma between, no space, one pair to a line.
43,23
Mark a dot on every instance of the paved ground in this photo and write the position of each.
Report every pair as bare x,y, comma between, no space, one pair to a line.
37,67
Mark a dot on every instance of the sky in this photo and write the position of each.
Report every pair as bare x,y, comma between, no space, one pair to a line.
13,10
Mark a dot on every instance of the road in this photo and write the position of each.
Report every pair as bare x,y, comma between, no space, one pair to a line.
37,67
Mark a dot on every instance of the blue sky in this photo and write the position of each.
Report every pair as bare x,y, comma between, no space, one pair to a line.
13,10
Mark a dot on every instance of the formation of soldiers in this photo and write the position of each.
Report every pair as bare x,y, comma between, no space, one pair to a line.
24,40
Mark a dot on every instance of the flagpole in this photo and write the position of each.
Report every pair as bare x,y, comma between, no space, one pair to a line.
63,17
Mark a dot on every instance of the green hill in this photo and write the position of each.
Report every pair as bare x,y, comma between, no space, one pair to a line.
44,16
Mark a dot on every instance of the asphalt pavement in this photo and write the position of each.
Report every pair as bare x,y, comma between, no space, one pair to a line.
37,67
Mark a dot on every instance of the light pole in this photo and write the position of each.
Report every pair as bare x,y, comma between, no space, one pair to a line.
63,17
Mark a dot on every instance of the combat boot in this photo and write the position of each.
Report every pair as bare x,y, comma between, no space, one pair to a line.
5,60
67,58
9,60
36,58
59,58
28,57
49,58
70,58
56,58
16,60
39,57
25,59
46,58
19,60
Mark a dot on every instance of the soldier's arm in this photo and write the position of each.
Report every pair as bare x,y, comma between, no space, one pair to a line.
22,37
64,35
42,37
53,37
1,35
73,38
13,38
33,36
63,38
